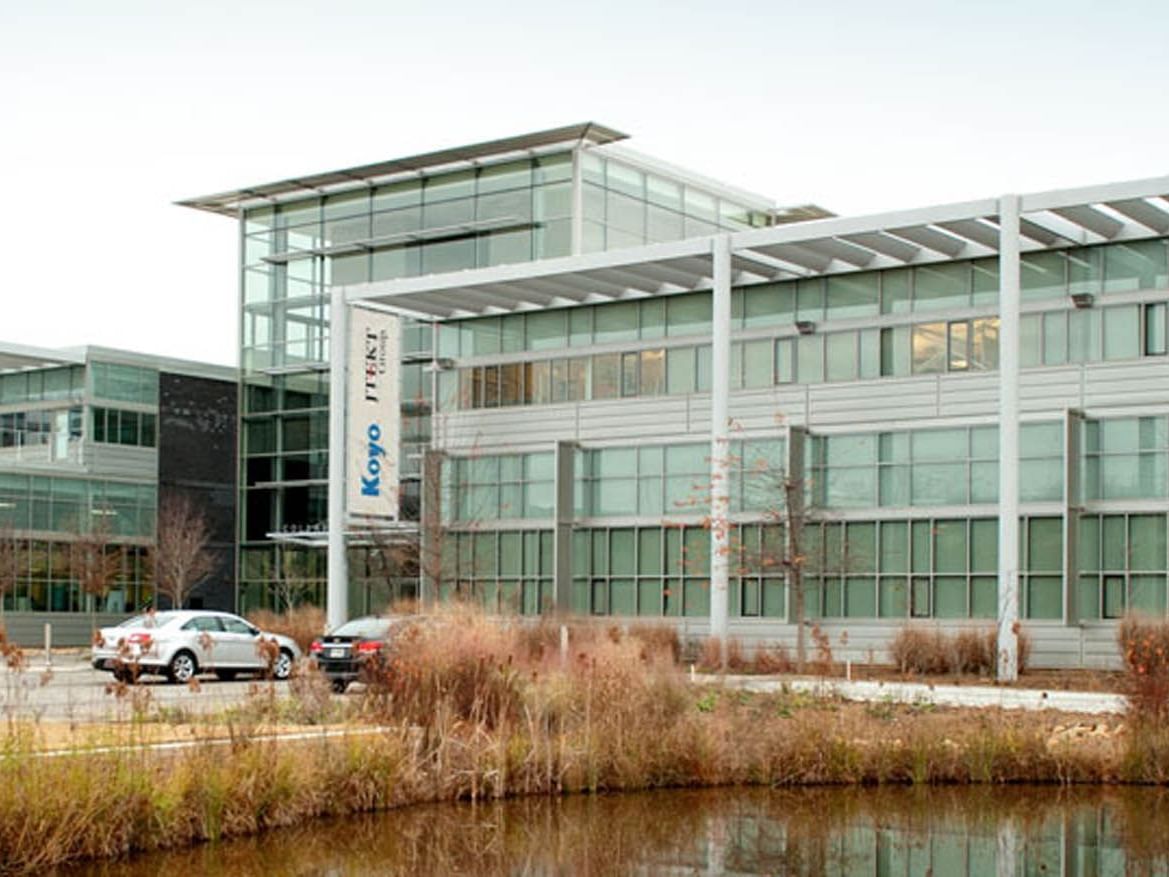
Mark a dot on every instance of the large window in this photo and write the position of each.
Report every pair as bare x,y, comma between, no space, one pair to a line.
932,467
124,383
115,426
488,488
502,570
1126,458
1122,562
932,568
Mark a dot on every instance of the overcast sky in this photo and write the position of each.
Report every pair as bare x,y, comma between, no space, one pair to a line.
113,110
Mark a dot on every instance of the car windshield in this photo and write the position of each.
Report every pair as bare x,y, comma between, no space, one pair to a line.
372,628
150,619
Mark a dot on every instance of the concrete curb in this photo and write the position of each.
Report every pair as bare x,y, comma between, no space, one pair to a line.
942,695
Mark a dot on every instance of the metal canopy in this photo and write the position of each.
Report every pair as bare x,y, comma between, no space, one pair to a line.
16,357
968,230
358,534
229,203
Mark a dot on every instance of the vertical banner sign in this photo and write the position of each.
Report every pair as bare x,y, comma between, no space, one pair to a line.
372,415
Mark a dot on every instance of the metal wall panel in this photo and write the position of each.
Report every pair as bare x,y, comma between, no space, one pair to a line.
121,461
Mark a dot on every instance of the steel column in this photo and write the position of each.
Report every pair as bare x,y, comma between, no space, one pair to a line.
1072,428
1008,608
720,467
337,592
431,535
562,540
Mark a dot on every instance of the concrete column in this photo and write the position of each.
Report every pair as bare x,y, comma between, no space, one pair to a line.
720,468
430,534
792,504
337,592
1072,424
1008,609
565,487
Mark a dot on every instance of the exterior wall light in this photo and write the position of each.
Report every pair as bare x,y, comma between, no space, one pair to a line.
805,327
1083,300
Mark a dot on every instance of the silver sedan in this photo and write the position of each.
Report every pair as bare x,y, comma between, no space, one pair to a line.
182,644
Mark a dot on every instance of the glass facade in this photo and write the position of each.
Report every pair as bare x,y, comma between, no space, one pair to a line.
512,211
900,518
55,483
901,343
871,547
625,206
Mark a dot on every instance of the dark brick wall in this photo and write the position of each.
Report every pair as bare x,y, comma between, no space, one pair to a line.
196,457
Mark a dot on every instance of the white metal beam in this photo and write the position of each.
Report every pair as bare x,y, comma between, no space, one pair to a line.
1008,565
930,238
797,255
763,266
337,571
837,248
1140,210
633,281
1092,219
720,468
975,230
886,245
1146,188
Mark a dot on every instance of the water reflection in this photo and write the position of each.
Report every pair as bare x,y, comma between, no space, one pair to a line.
987,830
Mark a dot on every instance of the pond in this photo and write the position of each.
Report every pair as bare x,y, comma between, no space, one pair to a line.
835,831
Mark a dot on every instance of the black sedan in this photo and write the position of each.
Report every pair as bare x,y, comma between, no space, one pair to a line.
354,651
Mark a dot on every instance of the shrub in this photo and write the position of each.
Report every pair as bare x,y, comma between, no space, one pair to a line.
661,640
459,666
933,653
1144,649
772,659
915,650
302,623
711,659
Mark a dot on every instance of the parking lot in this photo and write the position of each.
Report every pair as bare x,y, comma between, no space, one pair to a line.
70,690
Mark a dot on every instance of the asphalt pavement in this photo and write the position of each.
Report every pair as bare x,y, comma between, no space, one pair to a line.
69,689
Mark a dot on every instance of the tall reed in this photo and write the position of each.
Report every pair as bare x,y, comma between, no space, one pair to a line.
469,709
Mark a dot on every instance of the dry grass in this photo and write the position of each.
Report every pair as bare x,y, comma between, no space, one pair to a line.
930,652
772,659
303,623
471,709
710,658
1144,648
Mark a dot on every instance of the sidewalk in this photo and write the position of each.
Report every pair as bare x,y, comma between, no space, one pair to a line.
1091,703
73,662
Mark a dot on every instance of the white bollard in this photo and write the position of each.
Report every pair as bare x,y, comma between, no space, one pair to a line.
563,647
48,644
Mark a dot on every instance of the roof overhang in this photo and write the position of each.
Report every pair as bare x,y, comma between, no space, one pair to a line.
229,203
17,357
968,230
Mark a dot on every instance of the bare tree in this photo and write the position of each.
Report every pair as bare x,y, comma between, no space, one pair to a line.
180,558
95,561
13,557
386,559
783,504
292,580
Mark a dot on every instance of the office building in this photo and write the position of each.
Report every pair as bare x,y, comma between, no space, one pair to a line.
92,440
573,304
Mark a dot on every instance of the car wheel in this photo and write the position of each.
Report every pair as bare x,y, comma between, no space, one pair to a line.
339,685
182,668
225,675
282,669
